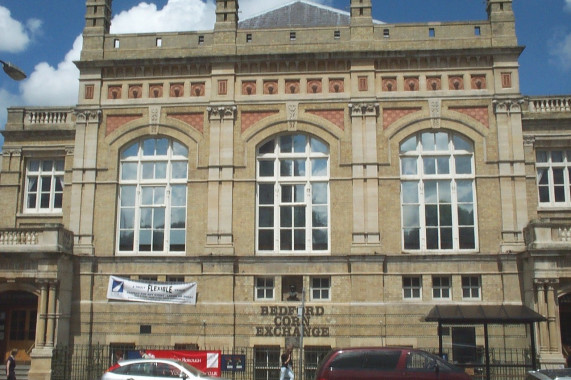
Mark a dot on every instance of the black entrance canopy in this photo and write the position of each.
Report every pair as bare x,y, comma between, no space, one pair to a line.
480,314
485,315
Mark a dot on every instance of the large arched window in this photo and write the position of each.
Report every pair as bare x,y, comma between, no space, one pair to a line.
438,192
152,198
293,195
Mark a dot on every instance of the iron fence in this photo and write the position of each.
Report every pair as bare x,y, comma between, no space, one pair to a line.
84,362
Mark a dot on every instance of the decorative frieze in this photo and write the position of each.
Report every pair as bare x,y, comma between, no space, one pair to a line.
507,106
364,109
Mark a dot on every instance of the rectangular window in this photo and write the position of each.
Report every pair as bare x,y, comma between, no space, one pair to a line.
312,358
441,287
264,288
471,287
337,34
412,287
159,42
200,40
431,33
292,36
477,31
320,288
266,363
175,279
249,37
44,185
553,177
386,33
222,87
506,80
116,44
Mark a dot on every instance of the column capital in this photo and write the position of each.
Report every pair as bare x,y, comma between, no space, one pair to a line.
507,106
363,109
88,116
222,112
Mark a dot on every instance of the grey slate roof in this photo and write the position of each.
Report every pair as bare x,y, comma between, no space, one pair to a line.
299,13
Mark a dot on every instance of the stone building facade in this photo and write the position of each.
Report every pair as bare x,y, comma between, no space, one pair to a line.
374,170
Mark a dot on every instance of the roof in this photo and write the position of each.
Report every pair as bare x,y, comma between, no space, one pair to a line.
298,13
480,314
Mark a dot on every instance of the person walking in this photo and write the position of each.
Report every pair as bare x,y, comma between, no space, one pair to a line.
11,365
287,364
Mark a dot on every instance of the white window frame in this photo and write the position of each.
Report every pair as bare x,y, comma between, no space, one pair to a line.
55,175
438,287
471,284
142,186
548,162
265,285
412,168
301,186
410,286
321,288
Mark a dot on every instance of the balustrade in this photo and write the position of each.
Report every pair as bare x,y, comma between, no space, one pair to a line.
49,239
551,104
47,117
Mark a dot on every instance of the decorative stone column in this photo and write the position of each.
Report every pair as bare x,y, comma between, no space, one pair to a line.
554,335
83,180
220,176
42,316
543,331
511,164
365,176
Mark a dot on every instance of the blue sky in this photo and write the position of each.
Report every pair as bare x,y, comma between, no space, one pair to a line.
42,37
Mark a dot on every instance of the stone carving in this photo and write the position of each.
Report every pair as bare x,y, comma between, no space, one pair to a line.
364,109
292,114
221,113
435,107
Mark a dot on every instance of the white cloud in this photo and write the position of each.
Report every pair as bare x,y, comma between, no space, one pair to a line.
15,36
560,51
176,15
49,86
568,5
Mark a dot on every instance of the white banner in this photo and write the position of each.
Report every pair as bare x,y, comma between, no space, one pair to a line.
160,292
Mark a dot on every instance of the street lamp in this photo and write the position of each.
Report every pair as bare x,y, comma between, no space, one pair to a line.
13,72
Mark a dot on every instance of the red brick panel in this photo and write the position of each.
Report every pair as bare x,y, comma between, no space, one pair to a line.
250,118
116,121
195,119
478,113
390,115
337,117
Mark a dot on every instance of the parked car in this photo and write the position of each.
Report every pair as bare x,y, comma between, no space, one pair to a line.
387,363
154,369
550,374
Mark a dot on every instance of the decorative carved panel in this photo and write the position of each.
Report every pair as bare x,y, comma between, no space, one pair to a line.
314,86
478,82
135,91
389,84
292,86
197,89
411,84
456,82
114,92
156,91
336,85
270,87
434,83
249,87
176,90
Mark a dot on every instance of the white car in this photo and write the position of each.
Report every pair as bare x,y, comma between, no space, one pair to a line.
550,374
154,369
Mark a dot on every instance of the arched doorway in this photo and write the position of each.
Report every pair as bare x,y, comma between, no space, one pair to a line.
565,322
18,317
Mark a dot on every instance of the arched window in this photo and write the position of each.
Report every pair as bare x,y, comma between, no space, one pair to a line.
152,198
438,192
293,195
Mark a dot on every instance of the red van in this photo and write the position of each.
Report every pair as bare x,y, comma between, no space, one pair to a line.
387,363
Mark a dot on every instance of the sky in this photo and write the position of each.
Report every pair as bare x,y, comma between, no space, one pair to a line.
43,37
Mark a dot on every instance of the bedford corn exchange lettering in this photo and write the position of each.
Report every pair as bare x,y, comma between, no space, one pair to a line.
285,321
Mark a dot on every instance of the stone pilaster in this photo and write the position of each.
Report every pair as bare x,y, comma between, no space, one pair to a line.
220,176
83,180
365,177
511,164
